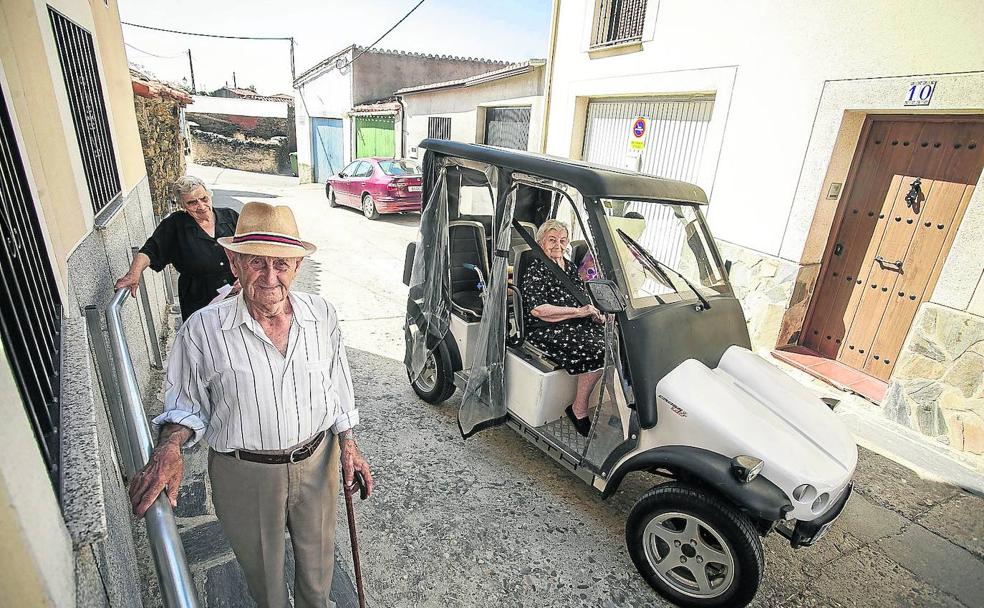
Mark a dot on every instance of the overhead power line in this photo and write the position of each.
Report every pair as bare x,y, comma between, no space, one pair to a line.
386,33
161,29
154,54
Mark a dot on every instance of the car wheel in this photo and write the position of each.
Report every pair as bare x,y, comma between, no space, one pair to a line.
436,381
694,548
369,207
330,193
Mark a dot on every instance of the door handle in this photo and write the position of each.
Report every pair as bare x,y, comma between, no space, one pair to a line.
886,265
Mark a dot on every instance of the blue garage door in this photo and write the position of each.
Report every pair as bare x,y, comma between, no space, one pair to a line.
326,147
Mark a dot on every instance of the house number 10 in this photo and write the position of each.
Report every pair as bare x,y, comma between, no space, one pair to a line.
920,93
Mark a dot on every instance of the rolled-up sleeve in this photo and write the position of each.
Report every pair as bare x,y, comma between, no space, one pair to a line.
341,378
185,394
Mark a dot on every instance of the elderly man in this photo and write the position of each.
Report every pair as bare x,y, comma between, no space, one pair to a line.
264,379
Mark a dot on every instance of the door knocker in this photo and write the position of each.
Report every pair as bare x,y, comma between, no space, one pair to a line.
915,195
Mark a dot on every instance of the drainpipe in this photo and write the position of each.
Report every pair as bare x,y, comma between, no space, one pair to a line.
548,76
403,124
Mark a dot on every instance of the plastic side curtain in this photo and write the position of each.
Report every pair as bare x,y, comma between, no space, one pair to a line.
428,302
483,404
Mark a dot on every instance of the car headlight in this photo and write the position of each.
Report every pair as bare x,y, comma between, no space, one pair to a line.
805,493
746,468
820,503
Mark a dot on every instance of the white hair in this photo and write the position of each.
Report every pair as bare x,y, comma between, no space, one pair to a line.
549,225
185,184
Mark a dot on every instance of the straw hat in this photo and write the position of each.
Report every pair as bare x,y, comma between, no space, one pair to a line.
267,230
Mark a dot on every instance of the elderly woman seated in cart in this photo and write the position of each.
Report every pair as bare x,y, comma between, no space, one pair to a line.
570,334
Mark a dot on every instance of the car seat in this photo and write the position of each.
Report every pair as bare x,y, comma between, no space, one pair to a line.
466,240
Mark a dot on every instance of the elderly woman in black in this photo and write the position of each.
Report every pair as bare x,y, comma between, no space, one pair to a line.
570,334
187,239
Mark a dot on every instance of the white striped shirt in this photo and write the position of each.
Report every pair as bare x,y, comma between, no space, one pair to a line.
229,383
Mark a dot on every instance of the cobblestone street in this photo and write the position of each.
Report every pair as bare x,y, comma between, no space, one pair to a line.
493,522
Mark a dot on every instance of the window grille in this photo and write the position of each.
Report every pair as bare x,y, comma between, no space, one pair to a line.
439,127
30,311
507,127
618,21
77,55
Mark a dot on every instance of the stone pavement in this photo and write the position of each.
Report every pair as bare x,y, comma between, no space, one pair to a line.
493,522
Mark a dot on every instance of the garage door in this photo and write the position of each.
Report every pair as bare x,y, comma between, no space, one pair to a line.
326,147
507,127
375,136
677,132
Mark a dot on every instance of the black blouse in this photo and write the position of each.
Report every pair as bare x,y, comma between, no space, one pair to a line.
199,258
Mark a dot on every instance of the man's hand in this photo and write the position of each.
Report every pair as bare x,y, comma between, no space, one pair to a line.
353,461
163,472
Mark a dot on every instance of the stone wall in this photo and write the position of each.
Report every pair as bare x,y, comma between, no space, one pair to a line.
937,387
250,126
764,285
163,146
256,155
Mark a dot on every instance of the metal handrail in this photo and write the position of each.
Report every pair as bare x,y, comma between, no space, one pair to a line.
177,585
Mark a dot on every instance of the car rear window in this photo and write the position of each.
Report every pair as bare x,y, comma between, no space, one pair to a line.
399,167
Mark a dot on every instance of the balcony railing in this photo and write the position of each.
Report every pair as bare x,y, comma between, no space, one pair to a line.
618,22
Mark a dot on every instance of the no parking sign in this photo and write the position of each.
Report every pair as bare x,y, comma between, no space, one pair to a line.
637,137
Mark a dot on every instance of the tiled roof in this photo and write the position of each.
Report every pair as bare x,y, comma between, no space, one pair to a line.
147,87
510,70
324,64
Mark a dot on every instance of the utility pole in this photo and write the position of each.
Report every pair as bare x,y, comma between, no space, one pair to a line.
234,85
191,66
292,76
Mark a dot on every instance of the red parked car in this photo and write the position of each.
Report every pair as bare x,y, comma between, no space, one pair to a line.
376,185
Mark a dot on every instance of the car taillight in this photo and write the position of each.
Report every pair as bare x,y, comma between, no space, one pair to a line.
396,185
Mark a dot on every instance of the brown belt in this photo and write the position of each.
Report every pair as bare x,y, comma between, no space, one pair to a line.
295,455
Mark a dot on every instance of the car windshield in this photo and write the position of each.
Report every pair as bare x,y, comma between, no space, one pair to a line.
664,251
399,167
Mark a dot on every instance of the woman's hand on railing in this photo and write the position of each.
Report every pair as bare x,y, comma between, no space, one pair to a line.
128,281
163,472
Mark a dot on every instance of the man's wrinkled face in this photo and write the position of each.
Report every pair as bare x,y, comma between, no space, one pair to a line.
198,204
265,280
554,244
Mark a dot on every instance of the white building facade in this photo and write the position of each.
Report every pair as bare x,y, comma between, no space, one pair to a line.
501,108
345,106
808,125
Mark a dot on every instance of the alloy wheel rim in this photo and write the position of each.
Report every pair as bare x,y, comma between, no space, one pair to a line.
367,206
689,555
428,375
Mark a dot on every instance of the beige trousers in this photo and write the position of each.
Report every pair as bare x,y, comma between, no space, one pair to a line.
256,502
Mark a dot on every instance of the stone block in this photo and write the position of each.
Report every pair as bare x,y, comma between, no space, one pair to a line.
958,331
923,345
966,374
916,364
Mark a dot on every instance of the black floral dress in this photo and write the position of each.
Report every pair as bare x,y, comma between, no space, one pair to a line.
578,345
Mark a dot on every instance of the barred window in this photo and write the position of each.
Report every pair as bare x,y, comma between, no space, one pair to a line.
30,309
439,127
618,21
77,55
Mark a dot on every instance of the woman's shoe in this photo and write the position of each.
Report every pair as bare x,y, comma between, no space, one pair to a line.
581,425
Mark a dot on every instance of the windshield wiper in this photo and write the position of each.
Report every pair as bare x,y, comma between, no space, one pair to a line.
658,267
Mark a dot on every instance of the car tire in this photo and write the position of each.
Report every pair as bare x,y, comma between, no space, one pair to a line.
436,382
369,207
330,193
678,530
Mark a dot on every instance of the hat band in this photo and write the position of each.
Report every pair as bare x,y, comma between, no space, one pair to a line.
266,237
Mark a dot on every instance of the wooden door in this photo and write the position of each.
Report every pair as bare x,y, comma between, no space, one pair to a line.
908,190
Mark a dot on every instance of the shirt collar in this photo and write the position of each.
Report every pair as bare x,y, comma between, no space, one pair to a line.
239,314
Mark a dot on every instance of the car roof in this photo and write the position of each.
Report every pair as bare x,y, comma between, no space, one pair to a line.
590,179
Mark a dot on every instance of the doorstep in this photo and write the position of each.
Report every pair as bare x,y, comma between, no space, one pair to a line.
833,372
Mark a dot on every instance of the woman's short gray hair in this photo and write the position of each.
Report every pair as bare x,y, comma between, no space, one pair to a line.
549,225
185,184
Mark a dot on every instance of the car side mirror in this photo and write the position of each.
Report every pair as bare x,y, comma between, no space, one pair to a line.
727,266
607,298
342,174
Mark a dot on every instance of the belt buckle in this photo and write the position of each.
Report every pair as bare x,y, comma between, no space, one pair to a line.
293,455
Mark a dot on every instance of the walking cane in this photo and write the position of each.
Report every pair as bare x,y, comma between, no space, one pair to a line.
350,511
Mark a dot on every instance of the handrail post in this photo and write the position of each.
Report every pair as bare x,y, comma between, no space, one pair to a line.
155,345
177,585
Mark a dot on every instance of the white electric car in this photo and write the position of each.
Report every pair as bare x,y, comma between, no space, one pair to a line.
749,451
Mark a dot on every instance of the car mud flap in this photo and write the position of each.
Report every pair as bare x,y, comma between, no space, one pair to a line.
428,303
483,402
